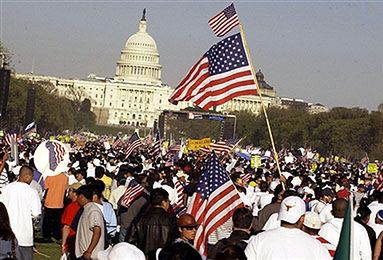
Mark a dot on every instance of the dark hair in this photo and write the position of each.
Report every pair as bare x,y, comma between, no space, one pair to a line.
85,190
6,232
99,171
81,172
157,196
363,212
89,180
339,207
98,188
242,218
179,251
231,252
263,186
24,167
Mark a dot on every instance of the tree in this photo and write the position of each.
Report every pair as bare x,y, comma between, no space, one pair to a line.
52,113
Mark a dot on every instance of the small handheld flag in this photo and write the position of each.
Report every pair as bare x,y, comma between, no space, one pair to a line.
224,21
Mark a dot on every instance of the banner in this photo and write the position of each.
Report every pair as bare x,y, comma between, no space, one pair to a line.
372,168
196,144
255,161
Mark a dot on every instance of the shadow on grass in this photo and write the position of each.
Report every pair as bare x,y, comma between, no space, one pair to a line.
47,251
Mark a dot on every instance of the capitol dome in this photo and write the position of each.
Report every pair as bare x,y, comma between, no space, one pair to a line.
139,60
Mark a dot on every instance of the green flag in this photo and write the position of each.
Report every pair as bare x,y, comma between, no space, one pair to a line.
343,250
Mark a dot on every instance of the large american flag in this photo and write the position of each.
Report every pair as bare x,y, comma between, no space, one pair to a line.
133,143
132,192
222,74
214,201
224,21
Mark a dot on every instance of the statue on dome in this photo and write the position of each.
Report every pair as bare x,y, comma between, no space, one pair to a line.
143,15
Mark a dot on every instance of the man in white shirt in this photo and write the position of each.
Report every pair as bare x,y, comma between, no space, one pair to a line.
323,206
287,241
331,231
22,203
90,232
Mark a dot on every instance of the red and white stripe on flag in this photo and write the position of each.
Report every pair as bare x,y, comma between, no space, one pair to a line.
9,138
133,191
221,147
224,21
180,194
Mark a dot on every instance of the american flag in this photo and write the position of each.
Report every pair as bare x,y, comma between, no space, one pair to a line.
224,21
221,147
132,192
117,142
56,154
246,177
218,147
133,143
378,183
213,203
156,147
180,194
222,74
10,138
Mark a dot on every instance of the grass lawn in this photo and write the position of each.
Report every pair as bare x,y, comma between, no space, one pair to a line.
52,250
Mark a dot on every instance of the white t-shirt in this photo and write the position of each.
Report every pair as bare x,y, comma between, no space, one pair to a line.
374,207
272,222
22,203
285,243
361,243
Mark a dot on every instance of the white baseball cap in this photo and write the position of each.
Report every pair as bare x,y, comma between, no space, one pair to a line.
312,220
292,208
121,251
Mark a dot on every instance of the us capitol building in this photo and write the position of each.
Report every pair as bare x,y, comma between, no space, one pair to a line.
136,95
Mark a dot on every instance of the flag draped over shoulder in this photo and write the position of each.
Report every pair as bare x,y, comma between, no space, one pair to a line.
224,21
222,74
133,143
344,250
214,201
132,192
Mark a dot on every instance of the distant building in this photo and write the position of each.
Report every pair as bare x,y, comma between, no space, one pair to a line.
317,108
293,103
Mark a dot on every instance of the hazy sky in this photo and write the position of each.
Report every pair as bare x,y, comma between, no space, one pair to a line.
329,52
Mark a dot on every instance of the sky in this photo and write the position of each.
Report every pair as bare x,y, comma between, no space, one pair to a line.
328,52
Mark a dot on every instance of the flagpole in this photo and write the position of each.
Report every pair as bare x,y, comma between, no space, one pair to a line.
247,52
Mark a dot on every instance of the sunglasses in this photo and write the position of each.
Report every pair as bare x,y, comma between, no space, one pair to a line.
189,228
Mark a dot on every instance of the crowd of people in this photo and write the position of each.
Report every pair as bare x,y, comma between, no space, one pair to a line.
110,206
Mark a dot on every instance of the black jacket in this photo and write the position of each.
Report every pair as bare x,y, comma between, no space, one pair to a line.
237,237
153,230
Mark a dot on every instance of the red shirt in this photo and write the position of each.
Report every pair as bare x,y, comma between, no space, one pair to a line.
69,214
